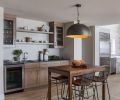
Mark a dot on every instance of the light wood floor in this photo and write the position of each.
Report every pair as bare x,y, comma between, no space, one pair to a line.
40,94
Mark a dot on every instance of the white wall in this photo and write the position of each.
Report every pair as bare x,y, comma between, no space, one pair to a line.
68,50
88,48
1,55
31,49
77,49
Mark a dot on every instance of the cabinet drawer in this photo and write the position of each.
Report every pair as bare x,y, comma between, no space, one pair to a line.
32,65
50,64
55,63
44,64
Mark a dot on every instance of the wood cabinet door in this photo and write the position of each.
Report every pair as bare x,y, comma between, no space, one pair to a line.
43,73
31,77
43,76
58,36
32,65
9,29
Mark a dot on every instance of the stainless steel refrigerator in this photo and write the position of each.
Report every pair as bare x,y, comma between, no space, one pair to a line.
105,50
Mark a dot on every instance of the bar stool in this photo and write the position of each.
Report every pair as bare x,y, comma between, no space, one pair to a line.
59,80
85,83
102,78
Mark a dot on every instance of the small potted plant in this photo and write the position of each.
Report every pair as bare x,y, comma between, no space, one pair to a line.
17,53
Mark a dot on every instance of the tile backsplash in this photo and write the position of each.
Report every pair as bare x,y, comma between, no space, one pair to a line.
31,49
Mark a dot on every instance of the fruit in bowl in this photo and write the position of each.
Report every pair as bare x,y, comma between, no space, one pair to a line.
79,63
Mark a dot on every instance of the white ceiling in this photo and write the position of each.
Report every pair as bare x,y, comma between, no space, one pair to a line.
93,12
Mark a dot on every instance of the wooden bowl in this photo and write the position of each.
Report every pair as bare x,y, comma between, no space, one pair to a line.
80,66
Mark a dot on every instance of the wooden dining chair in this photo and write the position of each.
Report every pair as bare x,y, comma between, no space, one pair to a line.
85,83
101,78
60,80
57,81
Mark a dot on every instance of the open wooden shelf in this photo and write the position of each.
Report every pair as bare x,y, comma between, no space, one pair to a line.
32,43
29,31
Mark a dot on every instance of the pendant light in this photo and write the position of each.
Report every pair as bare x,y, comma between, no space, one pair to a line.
78,30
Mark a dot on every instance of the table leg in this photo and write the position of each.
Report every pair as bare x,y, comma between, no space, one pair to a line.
49,85
70,88
103,91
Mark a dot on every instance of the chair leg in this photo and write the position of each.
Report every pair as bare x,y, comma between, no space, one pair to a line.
108,90
57,90
87,93
96,91
47,96
94,97
67,93
62,90
79,93
73,95
83,90
75,92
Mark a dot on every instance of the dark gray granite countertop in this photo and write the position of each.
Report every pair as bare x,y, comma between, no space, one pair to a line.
29,61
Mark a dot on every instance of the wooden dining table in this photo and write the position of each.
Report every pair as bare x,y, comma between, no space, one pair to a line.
70,72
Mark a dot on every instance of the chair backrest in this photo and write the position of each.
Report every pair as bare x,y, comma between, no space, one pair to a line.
105,73
89,76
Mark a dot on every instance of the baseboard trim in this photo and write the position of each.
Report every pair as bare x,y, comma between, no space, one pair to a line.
2,97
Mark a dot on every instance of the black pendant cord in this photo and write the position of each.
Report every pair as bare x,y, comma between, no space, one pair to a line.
78,15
